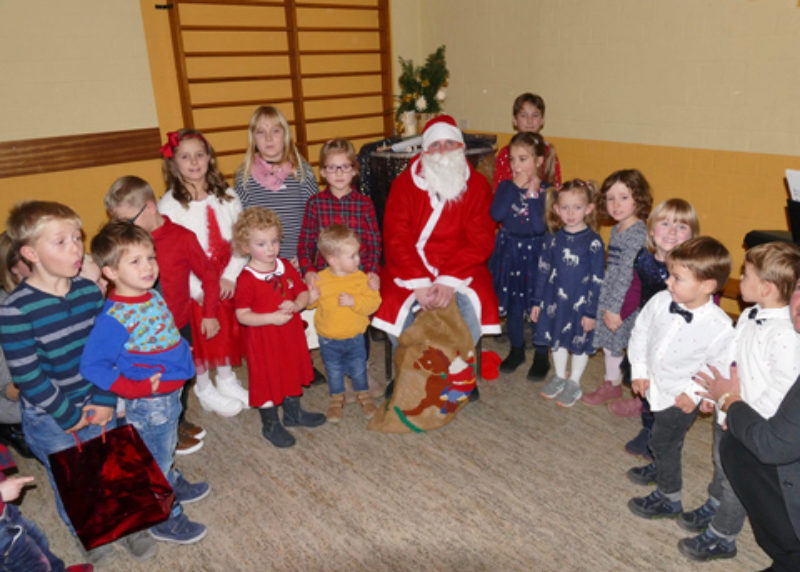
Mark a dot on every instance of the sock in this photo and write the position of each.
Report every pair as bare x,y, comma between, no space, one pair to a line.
560,357
579,363
203,380
612,366
731,538
674,497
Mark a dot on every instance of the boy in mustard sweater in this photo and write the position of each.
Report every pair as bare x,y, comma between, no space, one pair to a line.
344,303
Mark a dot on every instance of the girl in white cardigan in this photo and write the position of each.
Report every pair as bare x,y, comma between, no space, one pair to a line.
199,199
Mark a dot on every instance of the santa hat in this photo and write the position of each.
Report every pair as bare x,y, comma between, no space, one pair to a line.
440,127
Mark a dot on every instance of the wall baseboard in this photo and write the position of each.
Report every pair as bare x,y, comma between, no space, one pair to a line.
35,156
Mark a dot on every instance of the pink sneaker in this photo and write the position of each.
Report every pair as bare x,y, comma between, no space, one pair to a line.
606,392
626,407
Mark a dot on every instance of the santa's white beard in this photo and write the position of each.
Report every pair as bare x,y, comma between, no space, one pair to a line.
446,173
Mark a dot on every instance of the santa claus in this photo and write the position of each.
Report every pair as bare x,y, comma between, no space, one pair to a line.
438,237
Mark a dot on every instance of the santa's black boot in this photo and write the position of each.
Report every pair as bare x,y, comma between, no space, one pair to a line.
295,416
272,429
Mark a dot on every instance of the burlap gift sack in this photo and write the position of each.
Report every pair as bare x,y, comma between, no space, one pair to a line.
435,365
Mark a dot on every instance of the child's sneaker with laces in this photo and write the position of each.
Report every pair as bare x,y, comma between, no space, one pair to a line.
645,475
140,545
655,505
570,395
707,546
179,530
186,492
698,519
553,387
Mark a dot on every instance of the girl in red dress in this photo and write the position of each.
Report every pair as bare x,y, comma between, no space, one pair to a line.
269,296
199,199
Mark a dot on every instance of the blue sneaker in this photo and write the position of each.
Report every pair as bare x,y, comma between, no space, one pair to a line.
707,546
186,492
645,476
180,530
698,519
655,505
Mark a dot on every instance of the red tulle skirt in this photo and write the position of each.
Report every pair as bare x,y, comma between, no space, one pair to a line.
223,349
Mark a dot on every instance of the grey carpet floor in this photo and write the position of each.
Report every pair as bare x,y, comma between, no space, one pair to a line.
514,483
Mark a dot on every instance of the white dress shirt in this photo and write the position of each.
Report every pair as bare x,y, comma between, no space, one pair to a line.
767,354
667,350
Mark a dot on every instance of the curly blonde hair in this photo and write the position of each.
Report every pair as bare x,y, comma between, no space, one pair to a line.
250,219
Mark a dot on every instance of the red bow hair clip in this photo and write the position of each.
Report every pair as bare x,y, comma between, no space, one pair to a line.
168,148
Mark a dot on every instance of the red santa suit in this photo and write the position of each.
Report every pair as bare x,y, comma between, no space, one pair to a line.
428,240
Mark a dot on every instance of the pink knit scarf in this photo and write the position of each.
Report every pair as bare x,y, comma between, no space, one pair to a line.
269,175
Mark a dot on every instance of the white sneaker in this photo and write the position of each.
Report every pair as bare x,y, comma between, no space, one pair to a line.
232,387
212,400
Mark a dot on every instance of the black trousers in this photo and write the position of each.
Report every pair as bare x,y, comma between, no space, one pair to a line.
758,487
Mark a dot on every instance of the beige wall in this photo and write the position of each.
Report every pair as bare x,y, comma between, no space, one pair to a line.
721,74
72,67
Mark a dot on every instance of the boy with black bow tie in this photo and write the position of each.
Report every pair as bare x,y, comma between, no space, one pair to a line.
677,333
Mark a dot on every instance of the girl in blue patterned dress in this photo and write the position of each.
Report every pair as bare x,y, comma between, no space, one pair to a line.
519,205
570,272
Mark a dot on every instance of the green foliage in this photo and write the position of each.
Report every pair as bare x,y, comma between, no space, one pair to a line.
420,85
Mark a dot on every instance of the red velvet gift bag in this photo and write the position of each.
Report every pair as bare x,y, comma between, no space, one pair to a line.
111,486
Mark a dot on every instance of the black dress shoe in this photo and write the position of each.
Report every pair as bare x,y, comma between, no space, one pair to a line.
12,436
474,395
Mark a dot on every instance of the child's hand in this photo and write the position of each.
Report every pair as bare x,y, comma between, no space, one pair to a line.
685,403
311,279
346,299
313,294
612,320
280,317
155,380
640,386
82,422
535,314
12,392
98,414
373,281
706,406
226,289
588,323
209,327
288,306
12,487
521,180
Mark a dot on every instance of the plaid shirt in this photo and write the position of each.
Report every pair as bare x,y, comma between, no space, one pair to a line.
354,210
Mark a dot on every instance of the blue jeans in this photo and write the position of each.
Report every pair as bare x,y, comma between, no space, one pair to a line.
44,436
467,313
156,420
23,546
344,357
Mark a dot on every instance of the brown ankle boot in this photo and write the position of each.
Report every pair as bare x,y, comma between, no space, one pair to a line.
335,408
367,406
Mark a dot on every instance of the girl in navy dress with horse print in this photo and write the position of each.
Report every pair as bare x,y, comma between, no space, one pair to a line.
570,273
519,205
